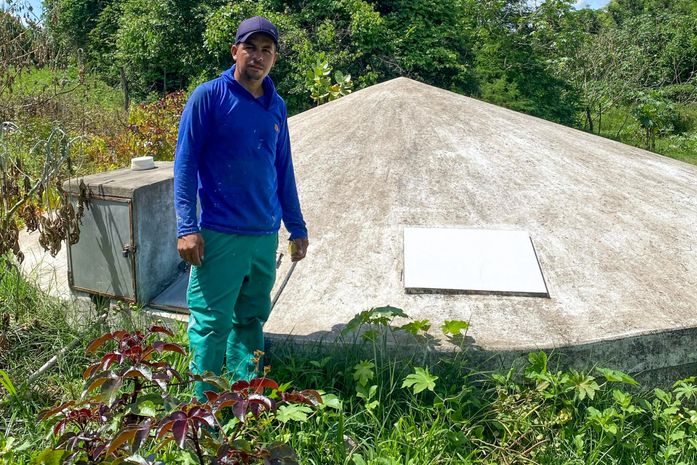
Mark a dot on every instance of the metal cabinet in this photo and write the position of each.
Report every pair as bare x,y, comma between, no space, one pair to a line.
128,246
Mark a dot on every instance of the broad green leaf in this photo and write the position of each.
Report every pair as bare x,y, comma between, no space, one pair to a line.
356,322
623,399
320,363
684,389
6,382
670,411
454,327
664,396
293,412
420,380
154,397
50,457
616,376
593,412
358,459
372,405
416,326
144,408
383,315
537,365
363,372
669,450
585,386
610,428
332,401
284,387
688,380
366,392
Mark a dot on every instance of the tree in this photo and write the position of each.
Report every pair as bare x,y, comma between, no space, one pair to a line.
430,41
296,50
347,34
655,115
102,49
515,58
70,21
159,43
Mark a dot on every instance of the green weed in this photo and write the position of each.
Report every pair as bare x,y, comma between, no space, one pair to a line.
385,404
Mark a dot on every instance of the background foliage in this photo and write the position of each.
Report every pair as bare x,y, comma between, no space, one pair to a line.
626,71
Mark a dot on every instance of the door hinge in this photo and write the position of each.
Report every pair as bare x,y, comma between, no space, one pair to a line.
128,249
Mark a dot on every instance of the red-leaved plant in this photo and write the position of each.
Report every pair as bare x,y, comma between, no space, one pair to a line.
129,403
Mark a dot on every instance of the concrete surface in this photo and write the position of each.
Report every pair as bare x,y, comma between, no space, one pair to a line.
48,273
614,227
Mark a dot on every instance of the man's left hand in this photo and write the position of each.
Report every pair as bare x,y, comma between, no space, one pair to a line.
298,248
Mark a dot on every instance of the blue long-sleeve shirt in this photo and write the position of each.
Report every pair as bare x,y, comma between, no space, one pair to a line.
233,150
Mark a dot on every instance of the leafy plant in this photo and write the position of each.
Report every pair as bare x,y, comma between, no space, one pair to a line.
130,402
152,130
319,82
381,411
420,380
30,198
655,115
9,447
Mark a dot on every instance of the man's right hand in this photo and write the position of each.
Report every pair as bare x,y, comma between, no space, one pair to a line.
190,248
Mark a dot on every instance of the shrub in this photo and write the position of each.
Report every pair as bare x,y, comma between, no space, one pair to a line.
131,402
152,130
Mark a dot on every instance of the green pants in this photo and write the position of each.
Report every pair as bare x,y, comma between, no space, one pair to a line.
229,302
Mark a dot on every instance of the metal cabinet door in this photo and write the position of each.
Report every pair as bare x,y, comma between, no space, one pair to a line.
103,260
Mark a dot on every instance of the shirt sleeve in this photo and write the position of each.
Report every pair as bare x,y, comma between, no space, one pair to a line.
191,140
287,190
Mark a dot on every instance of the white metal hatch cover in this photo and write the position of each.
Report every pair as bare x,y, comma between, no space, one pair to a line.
476,261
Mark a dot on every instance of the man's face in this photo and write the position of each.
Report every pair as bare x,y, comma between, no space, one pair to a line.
255,57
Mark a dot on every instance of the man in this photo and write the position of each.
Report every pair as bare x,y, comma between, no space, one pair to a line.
234,152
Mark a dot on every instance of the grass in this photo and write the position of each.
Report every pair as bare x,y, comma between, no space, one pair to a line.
54,85
380,408
34,327
541,416
680,144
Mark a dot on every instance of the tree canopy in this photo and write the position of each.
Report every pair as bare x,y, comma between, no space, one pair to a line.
550,60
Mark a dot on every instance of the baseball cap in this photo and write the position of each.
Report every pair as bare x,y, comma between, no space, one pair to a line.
253,25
